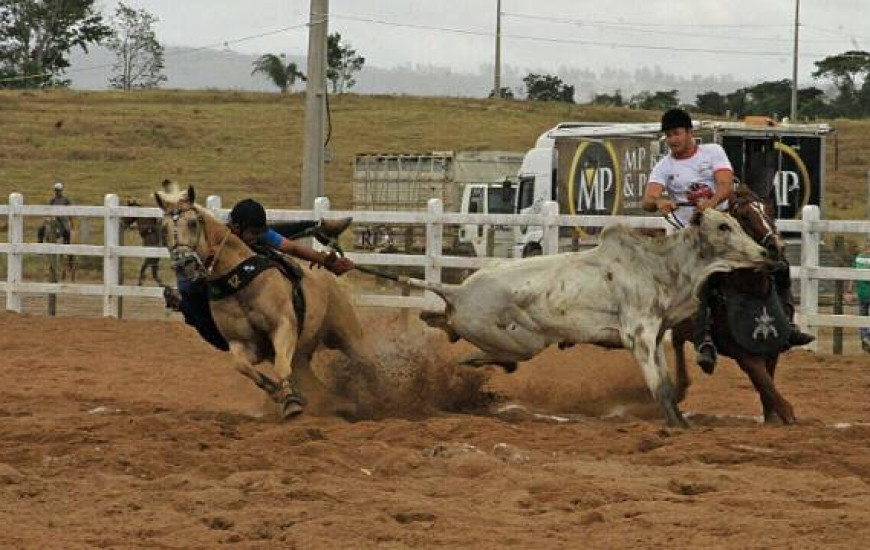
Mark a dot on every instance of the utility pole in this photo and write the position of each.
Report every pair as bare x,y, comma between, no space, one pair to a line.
794,70
315,104
496,85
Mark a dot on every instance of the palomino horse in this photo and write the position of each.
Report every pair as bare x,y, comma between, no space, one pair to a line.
149,231
58,266
259,320
756,286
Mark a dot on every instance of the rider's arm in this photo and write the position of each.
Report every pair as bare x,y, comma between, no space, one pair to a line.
300,250
724,186
653,200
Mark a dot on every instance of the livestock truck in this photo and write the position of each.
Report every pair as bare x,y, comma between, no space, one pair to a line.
602,168
465,181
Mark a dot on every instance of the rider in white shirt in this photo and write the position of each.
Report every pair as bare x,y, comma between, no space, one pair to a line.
696,177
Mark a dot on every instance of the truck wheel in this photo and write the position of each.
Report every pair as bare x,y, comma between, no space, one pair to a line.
532,249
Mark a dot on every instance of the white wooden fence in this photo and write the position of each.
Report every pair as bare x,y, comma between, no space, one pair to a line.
808,273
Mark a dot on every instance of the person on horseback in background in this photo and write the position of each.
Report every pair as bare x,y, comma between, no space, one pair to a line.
65,225
248,222
698,177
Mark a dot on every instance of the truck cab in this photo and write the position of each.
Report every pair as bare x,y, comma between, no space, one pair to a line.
487,198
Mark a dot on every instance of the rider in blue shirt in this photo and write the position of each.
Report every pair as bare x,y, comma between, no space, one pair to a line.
248,222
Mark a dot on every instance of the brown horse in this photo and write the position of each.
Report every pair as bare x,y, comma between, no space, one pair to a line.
259,320
149,232
754,217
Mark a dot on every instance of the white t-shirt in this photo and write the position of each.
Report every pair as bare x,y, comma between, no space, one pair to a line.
679,176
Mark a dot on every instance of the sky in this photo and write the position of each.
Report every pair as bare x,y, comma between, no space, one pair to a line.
749,40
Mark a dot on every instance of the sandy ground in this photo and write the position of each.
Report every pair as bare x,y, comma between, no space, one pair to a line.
133,433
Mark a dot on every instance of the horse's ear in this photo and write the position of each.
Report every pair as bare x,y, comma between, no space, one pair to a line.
159,199
191,194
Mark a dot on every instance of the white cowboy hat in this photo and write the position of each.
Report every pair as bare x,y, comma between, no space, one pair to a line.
58,186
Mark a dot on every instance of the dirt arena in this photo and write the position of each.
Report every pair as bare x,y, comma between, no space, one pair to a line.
133,433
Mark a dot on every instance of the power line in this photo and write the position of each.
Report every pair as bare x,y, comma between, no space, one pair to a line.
584,42
660,29
637,24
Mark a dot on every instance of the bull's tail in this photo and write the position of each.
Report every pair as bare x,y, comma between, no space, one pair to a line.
446,291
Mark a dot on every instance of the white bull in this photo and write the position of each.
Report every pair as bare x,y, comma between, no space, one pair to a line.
626,292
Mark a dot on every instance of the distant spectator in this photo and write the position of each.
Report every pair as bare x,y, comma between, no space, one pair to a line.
862,292
62,200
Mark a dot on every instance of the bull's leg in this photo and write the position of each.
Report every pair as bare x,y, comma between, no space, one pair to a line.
649,353
289,399
683,380
142,271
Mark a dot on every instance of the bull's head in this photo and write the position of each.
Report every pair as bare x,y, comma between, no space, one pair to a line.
722,239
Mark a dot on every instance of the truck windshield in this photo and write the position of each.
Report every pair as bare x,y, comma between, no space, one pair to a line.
501,200
527,193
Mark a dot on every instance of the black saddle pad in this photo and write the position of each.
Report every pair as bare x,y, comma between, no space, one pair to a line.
759,325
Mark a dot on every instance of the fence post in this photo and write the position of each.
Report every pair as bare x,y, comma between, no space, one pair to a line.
111,226
810,243
321,208
550,242
15,262
434,245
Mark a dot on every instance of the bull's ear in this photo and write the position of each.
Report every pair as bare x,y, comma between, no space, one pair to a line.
696,218
159,198
191,194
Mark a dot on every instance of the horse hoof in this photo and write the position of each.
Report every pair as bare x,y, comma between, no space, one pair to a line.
292,405
291,408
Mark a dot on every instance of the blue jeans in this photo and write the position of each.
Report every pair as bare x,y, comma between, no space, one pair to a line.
197,313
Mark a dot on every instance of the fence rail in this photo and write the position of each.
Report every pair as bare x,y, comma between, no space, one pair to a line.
809,273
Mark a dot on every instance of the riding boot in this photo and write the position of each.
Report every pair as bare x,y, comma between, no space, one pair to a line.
782,281
705,350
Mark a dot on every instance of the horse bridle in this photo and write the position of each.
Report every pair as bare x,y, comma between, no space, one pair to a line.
184,257
756,204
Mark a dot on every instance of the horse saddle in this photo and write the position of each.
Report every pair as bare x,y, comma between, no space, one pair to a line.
247,271
758,324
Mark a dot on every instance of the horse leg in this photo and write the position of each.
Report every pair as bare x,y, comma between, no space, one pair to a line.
649,352
142,272
771,400
284,343
770,414
243,362
683,381
155,271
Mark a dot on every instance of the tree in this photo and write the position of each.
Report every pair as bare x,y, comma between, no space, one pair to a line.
658,101
283,75
342,63
615,100
711,103
845,70
139,56
36,37
547,88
